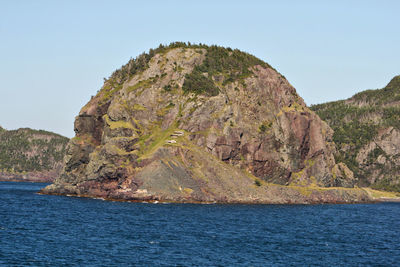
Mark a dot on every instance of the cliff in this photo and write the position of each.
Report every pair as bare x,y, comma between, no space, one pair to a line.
196,123
31,155
367,134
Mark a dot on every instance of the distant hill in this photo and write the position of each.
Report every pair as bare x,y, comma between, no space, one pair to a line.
367,134
30,155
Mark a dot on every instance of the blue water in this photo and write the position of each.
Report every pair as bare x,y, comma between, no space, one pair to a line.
42,230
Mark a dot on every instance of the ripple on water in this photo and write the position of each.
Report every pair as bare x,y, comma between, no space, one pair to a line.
55,230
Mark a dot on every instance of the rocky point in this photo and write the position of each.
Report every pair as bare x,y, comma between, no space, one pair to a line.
197,123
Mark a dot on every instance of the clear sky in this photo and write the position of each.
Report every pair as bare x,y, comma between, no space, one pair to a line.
55,54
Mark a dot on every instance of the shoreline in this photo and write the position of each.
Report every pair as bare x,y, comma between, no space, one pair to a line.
267,193
160,201
389,200
34,177
28,180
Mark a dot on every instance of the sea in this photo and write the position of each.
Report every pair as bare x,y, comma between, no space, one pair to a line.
42,230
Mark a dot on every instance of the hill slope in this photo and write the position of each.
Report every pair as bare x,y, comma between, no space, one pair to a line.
31,155
367,134
201,123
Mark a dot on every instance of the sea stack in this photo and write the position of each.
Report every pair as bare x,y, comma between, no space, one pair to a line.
197,123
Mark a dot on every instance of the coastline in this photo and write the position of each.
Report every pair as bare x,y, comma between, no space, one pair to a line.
155,201
382,196
33,177
285,195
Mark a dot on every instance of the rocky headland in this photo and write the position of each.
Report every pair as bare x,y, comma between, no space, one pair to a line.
197,123
367,134
28,155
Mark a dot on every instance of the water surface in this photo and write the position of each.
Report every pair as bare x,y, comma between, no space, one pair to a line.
41,230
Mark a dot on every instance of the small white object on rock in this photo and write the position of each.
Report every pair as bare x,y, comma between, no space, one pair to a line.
178,133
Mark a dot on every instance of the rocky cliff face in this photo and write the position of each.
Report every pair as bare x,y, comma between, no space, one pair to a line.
367,134
199,123
31,155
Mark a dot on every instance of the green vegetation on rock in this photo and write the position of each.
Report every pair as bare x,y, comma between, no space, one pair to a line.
387,95
196,82
141,62
358,125
387,185
232,64
26,150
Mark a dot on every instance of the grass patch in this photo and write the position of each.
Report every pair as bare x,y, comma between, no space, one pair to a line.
379,194
137,107
117,124
151,143
108,90
142,84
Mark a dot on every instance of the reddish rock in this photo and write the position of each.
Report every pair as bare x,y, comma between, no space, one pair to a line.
256,127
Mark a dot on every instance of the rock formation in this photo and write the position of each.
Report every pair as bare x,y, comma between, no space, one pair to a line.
367,134
202,123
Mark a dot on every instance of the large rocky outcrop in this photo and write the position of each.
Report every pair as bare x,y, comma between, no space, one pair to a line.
199,123
367,134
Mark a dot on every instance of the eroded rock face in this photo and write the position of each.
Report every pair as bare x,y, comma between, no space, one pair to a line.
147,138
367,134
381,157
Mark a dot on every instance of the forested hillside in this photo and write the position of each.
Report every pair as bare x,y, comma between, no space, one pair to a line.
367,134
24,151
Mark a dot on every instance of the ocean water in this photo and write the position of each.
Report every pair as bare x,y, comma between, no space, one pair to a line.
38,230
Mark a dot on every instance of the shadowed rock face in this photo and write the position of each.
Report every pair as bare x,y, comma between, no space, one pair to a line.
149,135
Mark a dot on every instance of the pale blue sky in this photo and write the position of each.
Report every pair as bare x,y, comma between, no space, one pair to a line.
54,54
